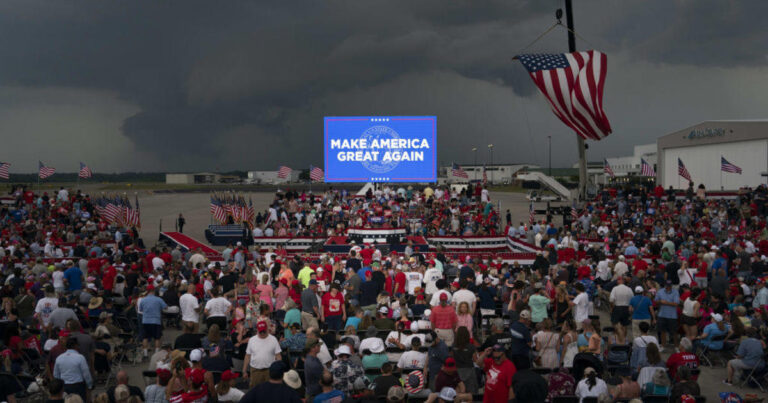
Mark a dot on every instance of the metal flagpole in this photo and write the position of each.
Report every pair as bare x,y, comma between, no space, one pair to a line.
721,172
582,146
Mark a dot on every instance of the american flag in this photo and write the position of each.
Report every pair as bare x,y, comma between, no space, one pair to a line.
316,174
134,215
646,169
682,170
573,85
574,213
458,172
726,166
485,176
251,211
98,205
4,170
217,211
531,215
45,171
85,172
112,210
284,172
607,169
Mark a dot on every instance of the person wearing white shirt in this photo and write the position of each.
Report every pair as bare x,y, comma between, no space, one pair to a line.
63,195
435,301
580,305
269,232
464,295
591,385
190,307
603,271
217,309
413,359
413,280
620,296
157,263
258,232
620,268
484,196
263,349
430,279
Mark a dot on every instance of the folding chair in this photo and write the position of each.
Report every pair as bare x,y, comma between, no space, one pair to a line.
754,374
612,366
655,399
708,355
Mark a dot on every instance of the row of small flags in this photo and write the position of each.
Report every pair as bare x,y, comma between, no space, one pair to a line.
225,205
647,170
45,171
118,210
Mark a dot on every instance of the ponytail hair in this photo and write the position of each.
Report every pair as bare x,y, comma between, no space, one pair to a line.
592,379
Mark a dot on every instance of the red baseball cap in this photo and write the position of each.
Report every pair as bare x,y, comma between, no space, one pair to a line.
229,375
420,296
64,333
450,362
443,297
261,326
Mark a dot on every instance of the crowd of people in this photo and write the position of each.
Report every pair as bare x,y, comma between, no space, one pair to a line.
637,276
439,211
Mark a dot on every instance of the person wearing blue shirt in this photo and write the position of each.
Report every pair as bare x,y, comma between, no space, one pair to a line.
72,368
668,299
74,277
361,273
715,329
152,307
750,355
642,310
631,250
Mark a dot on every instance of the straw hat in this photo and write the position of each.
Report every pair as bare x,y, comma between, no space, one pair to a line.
95,302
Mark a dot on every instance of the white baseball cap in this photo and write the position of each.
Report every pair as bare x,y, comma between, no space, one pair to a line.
196,355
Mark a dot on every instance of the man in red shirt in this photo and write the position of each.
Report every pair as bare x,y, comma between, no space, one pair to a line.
498,374
400,280
108,280
684,357
334,311
444,319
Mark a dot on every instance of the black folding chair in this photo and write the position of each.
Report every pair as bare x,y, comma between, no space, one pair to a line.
708,355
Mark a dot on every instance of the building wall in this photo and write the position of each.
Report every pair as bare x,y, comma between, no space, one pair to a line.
271,177
703,163
179,179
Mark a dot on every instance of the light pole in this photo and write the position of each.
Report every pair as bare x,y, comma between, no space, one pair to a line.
474,150
490,149
550,154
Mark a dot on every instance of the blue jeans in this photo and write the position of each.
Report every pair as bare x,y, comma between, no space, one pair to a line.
333,322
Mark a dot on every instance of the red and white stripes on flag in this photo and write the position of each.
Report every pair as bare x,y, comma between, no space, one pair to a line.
458,172
284,172
4,166
44,171
316,174
574,213
682,170
726,166
607,169
531,215
646,169
573,84
85,172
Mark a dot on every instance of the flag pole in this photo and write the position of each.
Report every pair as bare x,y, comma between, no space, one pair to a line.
580,143
721,172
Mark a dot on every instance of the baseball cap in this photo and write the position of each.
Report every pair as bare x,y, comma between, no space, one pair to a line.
343,350
455,284
277,369
525,314
498,347
717,317
229,375
64,333
196,355
448,394
395,394
638,289
313,282
261,326
196,375
450,362
384,310
163,373
443,296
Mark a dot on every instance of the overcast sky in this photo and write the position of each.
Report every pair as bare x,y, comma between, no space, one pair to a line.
224,85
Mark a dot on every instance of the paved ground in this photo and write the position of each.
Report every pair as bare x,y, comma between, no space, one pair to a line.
194,206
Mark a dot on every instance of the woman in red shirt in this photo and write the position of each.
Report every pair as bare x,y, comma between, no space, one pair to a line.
334,311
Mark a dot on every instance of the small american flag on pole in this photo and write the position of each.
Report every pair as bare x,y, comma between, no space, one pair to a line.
316,174
45,171
85,172
531,215
573,84
459,173
4,170
607,169
726,166
682,170
646,169
575,213
217,211
283,172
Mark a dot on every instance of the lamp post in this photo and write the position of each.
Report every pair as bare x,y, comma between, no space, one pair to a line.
490,150
474,150
549,138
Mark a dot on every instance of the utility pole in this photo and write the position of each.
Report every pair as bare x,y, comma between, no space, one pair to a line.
580,143
474,149
490,148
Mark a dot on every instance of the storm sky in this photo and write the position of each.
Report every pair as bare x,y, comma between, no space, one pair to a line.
231,85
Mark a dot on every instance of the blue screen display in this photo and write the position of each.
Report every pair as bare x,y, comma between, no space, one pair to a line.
380,149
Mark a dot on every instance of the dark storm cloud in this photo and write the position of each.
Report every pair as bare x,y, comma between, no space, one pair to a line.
212,79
